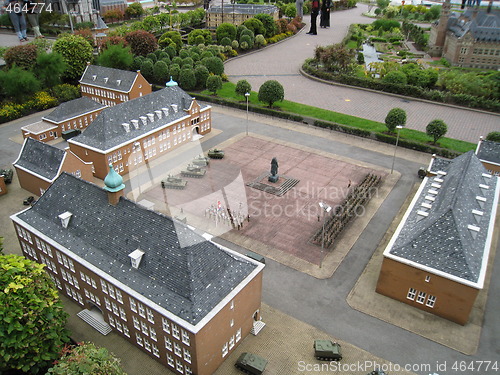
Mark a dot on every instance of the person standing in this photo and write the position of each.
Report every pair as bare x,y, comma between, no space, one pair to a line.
314,17
299,5
324,20
16,15
33,15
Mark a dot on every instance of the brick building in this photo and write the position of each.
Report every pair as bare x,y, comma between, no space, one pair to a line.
436,260
112,86
237,13
158,284
131,134
470,39
489,154
39,164
74,114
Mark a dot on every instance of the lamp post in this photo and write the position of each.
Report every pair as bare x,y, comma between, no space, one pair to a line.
399,127
247,95
326,209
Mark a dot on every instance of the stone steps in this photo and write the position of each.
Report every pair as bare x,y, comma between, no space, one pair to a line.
257,327
100,325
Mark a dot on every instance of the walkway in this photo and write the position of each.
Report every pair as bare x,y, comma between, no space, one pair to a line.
282,62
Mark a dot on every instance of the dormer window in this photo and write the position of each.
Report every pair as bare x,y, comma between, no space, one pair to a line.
106,80
135,123
136,257
174,107
65,217
144,120
480,200
151,117
126,126
118,81
165,111
158,113
94,77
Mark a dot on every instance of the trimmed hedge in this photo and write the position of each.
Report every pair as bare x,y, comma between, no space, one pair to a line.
463,100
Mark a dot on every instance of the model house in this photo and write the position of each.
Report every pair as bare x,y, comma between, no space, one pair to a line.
237,13
157,283
39,164
489,154
110,86
74,114
470,39
131,134
436,260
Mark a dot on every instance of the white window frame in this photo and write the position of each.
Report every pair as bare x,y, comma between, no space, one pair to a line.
431,301
421,297
412,292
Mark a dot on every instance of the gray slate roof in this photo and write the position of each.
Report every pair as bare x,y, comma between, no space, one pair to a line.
114,79
485,27
73,108
489,151
40,158
442,240
187,281
107,130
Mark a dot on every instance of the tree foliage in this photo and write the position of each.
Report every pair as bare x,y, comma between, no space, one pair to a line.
395,117
171,37
134,10
336,58
141,42
225,30
269,24
76,53
117,57
187,79
23,56
160,72
395,77
242,87
493,136
147,69
436,129
85,359
255,25
214,83
49,68
206,36
32,319
270,92
201,72
214,65
17,83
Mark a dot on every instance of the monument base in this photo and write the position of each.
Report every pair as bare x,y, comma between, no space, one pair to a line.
274,178
283,184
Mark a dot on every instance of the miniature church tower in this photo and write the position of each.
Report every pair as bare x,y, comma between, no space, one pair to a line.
438,31
114,186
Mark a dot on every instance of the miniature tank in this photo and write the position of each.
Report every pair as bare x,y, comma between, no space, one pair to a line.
172,182
29,201
201,161
377,372
215,154
326,350
422,172
251,363
7,175
193,171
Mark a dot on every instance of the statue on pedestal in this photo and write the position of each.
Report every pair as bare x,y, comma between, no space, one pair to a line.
274,171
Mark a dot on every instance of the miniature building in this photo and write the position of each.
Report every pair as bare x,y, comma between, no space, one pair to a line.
237,13
470,39
39,164
489,154
436,260
74,114
3,187
112,86
131,134
187,307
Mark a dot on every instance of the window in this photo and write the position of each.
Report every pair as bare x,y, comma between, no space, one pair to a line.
115,308
185,337
136,323
111,321
141,310
111,292
147,345
168,344
238,335
152,333
421,297
170,360
232,305
179,367
166,325
224,350
175,331
187,356
107,303
156,352
151,317
188,370
123,315
177,350
231,342
144,327
126,331
427,278
431,301
411,294
139,339
232,322
119,297
133,305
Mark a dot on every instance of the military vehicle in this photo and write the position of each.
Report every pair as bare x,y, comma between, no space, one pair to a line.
251,363
67,134
29,201
326,350
255,256
193,171
201,161
172,182
7,175
215,154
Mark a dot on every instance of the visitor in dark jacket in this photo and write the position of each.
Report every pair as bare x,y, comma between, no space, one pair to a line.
314,17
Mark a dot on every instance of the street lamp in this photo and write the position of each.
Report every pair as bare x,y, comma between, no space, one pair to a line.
247,95
399,127
326,209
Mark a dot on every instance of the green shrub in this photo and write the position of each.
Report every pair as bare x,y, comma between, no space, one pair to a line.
225,41
242,87
23,56
260,41
117,57
174,72
147,67
270,92
171,36
49,68
187,79
214,83
76,53
493,136
201,73
395,117
255,25
436,129
43,100
17,83
214,65
269,24
152,56
65,92
160,72
10,111
141,42
225,30
385,24
245,42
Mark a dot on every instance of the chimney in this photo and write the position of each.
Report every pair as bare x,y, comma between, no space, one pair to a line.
114,186
183,102
136,257
65,217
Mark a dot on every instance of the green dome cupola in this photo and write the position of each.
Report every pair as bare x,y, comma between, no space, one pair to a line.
113,181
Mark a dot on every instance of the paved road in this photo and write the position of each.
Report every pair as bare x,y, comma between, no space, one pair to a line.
282,62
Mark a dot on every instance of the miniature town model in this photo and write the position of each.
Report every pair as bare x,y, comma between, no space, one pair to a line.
185,301
437,258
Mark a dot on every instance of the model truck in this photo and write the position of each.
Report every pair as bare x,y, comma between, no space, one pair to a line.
251,363
326,350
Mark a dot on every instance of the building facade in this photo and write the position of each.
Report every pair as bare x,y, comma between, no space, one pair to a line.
237,13
489,154
74,114
470,39
39,164
436,260
132,134
110,86
188,306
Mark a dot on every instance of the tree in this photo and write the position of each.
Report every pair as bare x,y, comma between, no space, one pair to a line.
151,23
201,72
214,83
242,87
436,129
134,10
49,68
206,36
214,65
174,71
171,37
255,25
141,42
187,79
270,92
336,57
116,56
87,358
395,77
493,136
395,117
23,56
32,318
76,53
147,69
382,4
225,30
17,83
160,72
269,24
